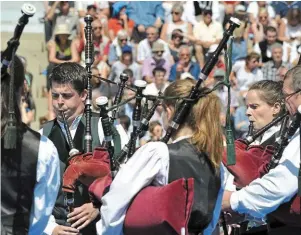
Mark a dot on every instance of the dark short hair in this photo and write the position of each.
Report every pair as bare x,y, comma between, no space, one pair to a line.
89,7
70,73
159,69
271,29
125,121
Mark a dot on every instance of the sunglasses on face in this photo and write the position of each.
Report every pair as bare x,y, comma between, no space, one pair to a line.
175,13
123,40
159,52
263,17
177,36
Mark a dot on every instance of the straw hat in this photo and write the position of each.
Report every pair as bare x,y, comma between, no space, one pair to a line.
157,46
62,29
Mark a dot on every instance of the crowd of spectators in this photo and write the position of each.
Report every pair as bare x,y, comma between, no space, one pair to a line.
160,42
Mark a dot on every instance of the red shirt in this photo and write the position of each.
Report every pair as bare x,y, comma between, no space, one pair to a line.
115,25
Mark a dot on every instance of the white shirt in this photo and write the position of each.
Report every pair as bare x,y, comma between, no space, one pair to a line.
46,187
138,172
124,139
266,194
253,8
144,50
245,79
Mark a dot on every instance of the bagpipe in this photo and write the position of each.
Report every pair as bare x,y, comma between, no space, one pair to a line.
7,56
96,170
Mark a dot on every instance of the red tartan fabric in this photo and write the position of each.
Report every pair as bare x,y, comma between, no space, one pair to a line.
161,210
87,168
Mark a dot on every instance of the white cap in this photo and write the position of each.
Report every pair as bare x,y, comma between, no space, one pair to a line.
101,100
140,83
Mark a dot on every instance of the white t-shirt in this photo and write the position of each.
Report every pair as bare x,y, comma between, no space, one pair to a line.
253,8
245,79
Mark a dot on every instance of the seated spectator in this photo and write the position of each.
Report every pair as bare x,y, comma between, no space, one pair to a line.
145,46
222,92
92,11
264,47
126,62
64,16
144,14
280,74
184,65
120,21
101,49
254,8
120,41
157,60
102,8
270,68
176,23
260,26
290,33
159,83
61,49
245,73
240,43
175,43
27,106
155,132
241,121
282,7
207,32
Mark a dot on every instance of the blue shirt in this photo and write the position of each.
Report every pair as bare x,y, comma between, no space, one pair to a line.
281,7
239,50
194,70
145,13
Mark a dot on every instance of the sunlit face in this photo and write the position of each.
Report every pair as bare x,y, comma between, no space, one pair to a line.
271,37
151,34
258,111
252,63
264,18
184,55
277,54
207,19
167,115
159,78
122,41
157,131
176,15
65,98
97,28
292,99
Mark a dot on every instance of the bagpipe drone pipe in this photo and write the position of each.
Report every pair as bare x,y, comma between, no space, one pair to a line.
7,57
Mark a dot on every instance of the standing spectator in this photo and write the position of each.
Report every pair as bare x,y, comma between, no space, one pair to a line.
176,23
264,47
207,33
184,65
145,14
120,21
120,41
126,62
271,67
145,46
175,43
64,16
157,60
245,73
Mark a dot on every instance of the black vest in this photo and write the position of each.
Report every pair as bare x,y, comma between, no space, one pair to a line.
18,179
81,195
187,162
